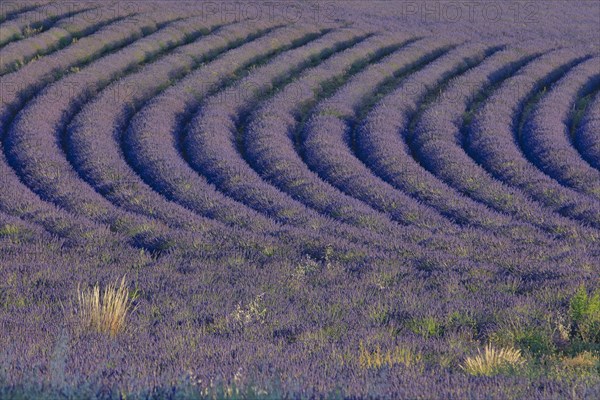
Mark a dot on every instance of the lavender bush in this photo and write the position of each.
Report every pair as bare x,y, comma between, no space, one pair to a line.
586,136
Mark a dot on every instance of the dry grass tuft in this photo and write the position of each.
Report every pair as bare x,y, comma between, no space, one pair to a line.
583,360
379,358
106,311
493,361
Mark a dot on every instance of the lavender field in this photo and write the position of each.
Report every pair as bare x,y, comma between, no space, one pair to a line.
300,199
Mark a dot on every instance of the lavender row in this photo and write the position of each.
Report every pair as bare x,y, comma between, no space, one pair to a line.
408,235
546,136
156,127
424,128
437,142
96,133
17,199
210,140
33,141
327,145
380,141
238,96
332,130
150,142
63,33
20,86
269,141
40,18
148,127
490,139
587,136
12,10
187,56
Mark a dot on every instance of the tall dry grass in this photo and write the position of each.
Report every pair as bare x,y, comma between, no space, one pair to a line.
104,311
493,361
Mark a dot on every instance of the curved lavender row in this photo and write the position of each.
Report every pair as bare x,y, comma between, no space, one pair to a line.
157,113
18,202
94,136
417,90
184,31
15,9
211,148
587,136
380,145
436,141
154,127
40,18
490,141
150,127
407,235
16,198
270,147
32,141
325,142
330,133
65,31
150,142
20,86
154,120
546,137
18,230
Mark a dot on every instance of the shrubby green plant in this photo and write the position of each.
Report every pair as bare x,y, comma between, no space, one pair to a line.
584,311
